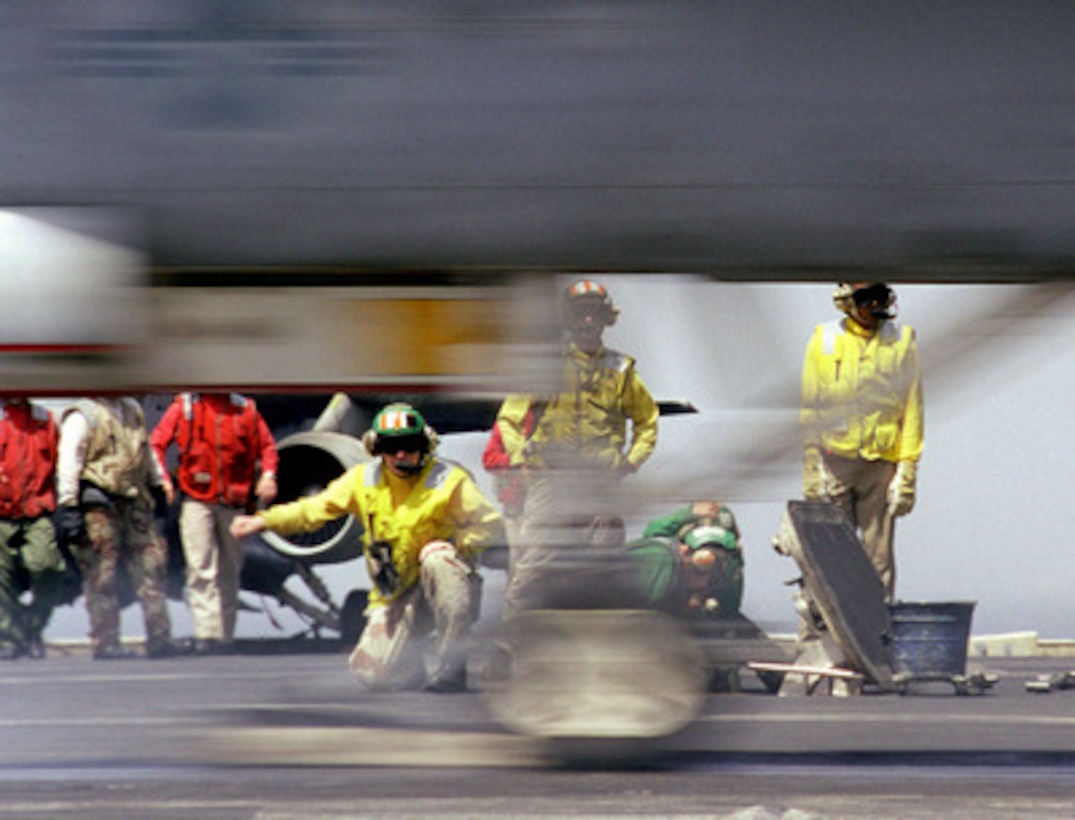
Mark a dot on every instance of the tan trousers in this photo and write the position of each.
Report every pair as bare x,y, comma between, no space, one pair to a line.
389,653
559,514
860,489
214,563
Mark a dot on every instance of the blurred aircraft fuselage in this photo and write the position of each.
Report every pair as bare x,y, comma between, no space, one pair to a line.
739,140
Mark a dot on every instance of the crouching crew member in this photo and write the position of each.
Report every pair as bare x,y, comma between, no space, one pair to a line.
690,562
425,522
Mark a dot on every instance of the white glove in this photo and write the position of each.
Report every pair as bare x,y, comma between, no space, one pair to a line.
434,547
901,491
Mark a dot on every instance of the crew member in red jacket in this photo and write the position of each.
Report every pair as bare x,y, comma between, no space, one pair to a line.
29,554
223,442
503,458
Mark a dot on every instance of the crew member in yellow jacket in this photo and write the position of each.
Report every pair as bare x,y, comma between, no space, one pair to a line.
574,446
862,417
425,523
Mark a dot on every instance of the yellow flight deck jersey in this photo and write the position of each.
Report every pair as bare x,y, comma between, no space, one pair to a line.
587,422
862,392
511,418
440,503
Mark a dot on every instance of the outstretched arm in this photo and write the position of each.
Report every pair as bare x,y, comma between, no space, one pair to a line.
244,525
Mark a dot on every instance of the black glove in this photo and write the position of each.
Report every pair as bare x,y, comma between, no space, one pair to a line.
160,501
382,571
71,524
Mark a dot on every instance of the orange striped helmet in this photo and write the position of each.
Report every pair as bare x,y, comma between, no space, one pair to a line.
584,295
399,426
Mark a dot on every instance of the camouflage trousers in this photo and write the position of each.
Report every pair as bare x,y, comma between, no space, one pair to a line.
30,560
389,653
122,545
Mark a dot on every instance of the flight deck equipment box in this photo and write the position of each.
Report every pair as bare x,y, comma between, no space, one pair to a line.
929,640
893,644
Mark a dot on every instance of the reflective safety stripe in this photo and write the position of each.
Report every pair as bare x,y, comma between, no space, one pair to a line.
371,476
397,420
890,332
617,361
828,336
587,288
437,474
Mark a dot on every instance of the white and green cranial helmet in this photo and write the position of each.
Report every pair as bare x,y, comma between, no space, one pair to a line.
399,427
710,535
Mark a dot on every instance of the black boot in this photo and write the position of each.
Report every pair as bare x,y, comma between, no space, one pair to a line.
162,650
211,646
448,679
113,652
36,649
12,651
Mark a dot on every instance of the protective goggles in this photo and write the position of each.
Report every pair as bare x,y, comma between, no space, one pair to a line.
411,443
579,311
879,295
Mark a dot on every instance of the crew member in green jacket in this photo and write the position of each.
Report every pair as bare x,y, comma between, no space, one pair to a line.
690,562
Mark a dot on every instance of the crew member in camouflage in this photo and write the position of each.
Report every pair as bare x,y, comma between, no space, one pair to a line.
104,477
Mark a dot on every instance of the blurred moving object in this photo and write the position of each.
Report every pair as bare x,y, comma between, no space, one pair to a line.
82,314
743,140
72,309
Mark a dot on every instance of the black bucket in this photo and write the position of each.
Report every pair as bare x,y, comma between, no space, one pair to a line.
929,641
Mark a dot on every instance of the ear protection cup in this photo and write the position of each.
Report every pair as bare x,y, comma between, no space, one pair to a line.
433,439
369,441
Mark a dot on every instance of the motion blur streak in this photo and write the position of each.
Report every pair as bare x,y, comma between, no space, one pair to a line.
83,314
747,140
72,311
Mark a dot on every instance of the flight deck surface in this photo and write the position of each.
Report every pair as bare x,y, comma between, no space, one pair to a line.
238,735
